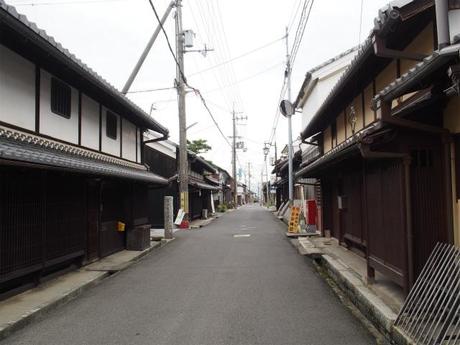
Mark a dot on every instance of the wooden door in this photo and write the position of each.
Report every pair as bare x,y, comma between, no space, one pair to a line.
113,201
94,206
428,198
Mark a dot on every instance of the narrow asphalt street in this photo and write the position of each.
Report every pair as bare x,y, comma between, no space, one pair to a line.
208,287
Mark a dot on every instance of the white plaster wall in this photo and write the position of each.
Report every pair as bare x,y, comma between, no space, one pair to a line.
56,125
317,97
129,132
89,123
109,145
454,23
17,89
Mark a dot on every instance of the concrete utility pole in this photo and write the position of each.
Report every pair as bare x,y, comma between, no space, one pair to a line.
180,85
288,76
235,179
146,51
262,197
249,179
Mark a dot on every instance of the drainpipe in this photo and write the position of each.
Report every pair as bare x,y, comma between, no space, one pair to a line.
442,23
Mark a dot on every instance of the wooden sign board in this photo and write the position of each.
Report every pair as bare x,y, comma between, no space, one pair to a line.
294,220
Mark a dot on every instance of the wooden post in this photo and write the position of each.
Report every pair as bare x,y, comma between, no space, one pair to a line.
168,215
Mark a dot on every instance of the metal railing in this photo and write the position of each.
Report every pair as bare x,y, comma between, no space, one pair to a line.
431,312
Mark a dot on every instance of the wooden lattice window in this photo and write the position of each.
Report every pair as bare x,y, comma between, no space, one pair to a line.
61,98
111,125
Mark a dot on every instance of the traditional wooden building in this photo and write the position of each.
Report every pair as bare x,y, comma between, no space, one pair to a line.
162,158
72,173
201,185
385,133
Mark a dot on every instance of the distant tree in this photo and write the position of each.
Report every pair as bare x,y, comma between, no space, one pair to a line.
198,146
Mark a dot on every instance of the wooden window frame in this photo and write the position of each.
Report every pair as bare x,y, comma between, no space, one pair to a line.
111,125
60,98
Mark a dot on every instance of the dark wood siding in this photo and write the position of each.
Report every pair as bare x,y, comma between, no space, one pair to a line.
385,218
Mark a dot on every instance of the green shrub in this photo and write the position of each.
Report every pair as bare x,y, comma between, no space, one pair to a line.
222,208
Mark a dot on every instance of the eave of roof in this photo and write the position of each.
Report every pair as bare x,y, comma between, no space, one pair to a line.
202,185
337,153
309,74
203,162
17,151
413,77
382,25
365,51
29,30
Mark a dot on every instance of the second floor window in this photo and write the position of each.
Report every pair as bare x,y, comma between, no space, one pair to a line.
61,98
111,125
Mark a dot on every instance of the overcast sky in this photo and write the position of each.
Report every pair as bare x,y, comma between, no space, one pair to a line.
109,35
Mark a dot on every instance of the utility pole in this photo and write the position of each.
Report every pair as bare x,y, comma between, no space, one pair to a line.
262,197
249,180
235,179
180,85
288,76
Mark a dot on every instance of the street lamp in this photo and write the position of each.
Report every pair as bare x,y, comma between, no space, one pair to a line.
266,149
287,109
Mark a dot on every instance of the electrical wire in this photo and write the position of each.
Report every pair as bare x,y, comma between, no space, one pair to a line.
237,57
71,2
152,90
252,76
197,92
360,22
303,20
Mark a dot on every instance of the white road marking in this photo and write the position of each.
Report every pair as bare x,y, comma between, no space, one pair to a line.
242,235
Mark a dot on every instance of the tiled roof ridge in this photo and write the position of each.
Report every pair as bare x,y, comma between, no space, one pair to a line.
38,141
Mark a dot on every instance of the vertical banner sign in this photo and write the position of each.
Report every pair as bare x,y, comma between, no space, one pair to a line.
294,220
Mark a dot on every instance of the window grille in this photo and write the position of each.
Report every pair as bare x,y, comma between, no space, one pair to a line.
111,125
61,97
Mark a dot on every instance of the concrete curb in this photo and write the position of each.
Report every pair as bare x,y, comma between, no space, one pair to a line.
381,316
364,299
36,313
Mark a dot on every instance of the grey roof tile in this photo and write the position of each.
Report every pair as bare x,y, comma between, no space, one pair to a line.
56,157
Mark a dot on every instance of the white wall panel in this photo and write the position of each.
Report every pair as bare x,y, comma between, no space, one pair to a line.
17,90
109,145
55,125
89,123
129,132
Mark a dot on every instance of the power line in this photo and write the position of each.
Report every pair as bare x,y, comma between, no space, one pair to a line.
197,92
237,57
246,78
168,42
360,21
152,90
301,29
71,2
